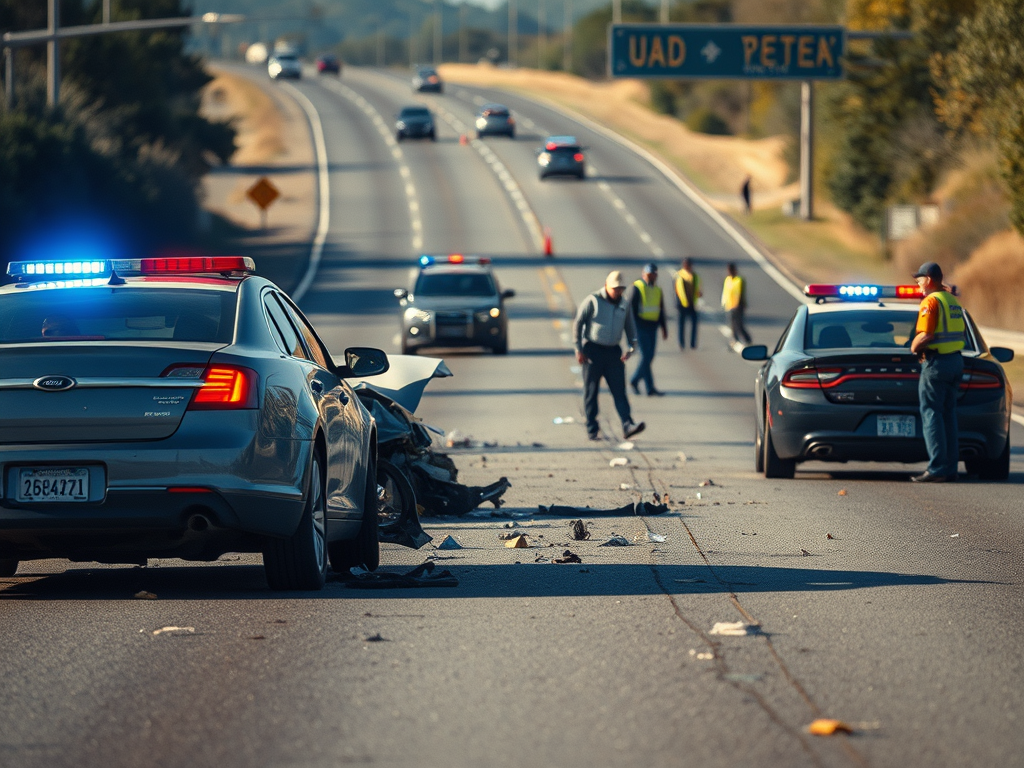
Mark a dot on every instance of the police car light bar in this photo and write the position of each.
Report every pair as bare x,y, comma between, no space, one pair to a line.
57,269
453,258
862,292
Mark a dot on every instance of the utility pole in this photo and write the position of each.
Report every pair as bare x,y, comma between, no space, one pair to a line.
807,150
9,78
106,11
462,33
567,36
438,40
542,35
53,55
664,11
616,11
513,41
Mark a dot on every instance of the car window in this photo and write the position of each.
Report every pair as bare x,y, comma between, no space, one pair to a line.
415,112
280,326
312,341
862,329
565,150
102,314
782,338
455,284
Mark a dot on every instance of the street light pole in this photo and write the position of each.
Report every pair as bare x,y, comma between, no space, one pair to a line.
437,32
9,78
807,150
462,33
567,36
542,36
53,55
106,11
664,11
616,11
513,42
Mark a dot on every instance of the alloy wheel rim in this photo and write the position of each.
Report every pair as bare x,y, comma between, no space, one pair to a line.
319,526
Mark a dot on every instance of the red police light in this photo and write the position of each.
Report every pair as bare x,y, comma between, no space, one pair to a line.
909,292
456,258
193,264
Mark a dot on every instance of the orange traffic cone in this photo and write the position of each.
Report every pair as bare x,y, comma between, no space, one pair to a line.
547,242
463,140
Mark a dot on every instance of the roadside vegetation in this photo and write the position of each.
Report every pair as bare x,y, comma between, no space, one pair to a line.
125,145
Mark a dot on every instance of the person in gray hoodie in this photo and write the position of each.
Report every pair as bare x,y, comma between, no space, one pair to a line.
601,319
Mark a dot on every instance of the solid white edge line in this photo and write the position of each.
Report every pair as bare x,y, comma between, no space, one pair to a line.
324,189
1017,417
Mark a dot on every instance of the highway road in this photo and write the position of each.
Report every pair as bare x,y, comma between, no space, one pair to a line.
894,607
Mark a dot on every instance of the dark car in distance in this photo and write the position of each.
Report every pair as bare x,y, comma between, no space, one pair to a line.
561,156
841,385
328,64
426,80
415,122
495,119
455,301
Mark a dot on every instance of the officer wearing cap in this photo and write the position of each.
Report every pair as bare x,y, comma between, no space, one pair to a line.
649,314
938,341
601,319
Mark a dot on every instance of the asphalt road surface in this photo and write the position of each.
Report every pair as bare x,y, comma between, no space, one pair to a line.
893,607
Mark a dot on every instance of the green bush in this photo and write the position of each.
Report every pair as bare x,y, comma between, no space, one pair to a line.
703,120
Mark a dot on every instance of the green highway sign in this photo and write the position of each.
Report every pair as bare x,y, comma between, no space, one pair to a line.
726,51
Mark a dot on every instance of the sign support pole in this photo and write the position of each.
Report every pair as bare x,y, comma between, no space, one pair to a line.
9,78
53,56
807,150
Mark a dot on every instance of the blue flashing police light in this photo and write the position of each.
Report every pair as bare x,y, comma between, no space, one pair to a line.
58,269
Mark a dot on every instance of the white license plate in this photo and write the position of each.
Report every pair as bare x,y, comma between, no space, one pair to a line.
451,331
52,484
896,426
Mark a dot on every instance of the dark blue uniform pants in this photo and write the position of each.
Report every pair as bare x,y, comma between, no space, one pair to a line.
604,362
647,338
937,390
687,313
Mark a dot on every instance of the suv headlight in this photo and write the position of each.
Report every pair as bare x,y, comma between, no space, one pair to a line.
420,315
486,314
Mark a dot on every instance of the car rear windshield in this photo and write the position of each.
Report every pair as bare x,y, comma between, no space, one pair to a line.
862,329
455,284
565,150
415,112
116,314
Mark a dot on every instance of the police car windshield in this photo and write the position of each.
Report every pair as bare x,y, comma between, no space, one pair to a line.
863,329
103,314
455,284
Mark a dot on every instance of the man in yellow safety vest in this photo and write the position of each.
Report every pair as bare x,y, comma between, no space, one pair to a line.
938,341
734,302
687,292
648,309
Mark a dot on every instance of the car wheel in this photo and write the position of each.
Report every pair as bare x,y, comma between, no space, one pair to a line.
364,549
991,469
758,447
511,134
433,136
299,562
775,467
8,567
501,348
396,499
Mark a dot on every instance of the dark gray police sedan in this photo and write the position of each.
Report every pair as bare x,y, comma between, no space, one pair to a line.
841,385
179,407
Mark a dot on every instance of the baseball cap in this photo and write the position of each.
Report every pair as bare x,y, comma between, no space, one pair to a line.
614,280
930,269
650,268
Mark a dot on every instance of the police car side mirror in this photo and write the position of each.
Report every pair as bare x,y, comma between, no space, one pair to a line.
508,294
755,352
1002,354
401,293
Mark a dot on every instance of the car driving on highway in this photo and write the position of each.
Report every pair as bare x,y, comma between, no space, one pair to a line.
328,64
454,301
841,385
426,80
179,407
495,119
415,122
561,156
284,65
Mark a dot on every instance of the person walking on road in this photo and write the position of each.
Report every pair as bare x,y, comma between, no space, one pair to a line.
601,319
734,302
938,341
687,292
648,308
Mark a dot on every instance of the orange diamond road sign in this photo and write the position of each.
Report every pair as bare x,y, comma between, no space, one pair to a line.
263,193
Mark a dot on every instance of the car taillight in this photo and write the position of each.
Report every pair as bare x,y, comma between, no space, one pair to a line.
811,378
979,380
225,387
578,157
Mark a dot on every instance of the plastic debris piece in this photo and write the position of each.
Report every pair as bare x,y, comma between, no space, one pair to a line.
705,483
449,543
842,492
174,631
618,461
955,536
456,439
829,536
518,542
579,530
805,553
507,535
657,538
616,541
144,595
625,446
563,420
626,486
377,638
734,628
682,457
741,677
702,656
512,524
421,576
698,495
567,557
827,727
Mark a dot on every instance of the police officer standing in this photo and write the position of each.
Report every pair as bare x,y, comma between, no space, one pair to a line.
648,309
687,292
734,302
939,339
601,319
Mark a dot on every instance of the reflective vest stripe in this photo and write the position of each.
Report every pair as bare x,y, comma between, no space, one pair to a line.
949,333
650,301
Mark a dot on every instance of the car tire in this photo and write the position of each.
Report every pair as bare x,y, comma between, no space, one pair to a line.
433,136
396,497
758,447
501,348
299,562
511,134
991,469
364,549
8,566
774,467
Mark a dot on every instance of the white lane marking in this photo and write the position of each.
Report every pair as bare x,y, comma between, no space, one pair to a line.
726,331
1017,417
412,199
323,189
